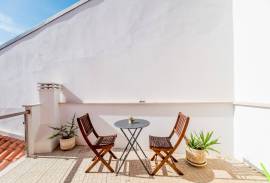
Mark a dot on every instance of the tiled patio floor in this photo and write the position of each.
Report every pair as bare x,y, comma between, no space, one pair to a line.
69,167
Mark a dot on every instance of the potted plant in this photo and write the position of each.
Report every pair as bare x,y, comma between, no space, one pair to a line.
67,133
265,172
197,147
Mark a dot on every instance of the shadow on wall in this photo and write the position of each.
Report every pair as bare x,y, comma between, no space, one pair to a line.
69,96
208,117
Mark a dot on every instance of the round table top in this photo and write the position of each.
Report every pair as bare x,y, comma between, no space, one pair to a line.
138,123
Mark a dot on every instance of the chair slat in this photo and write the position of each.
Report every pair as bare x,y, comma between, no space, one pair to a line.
180,123
86,124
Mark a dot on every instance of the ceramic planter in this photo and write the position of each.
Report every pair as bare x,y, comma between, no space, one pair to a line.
196,157
67,144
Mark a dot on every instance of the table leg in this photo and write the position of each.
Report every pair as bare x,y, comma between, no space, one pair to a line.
131,146
138,145
134,138
127,144
141,161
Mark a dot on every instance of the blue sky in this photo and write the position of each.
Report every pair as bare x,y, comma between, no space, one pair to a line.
17,16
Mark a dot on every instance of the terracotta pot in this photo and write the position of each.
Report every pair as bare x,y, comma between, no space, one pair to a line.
196,157
67,144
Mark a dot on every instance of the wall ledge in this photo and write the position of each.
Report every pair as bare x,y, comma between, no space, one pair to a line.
253,104
12,134
31,105
151,102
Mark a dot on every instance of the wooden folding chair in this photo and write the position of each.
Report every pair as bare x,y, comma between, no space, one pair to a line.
162,145
102,145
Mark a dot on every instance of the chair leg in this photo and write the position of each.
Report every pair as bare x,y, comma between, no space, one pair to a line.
105,162
175,168
161,163
99,157
153,157
95,157
175,160
171,164
92,165
113,155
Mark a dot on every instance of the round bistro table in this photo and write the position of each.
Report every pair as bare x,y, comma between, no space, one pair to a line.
134,129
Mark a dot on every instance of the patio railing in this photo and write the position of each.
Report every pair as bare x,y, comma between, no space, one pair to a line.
24,113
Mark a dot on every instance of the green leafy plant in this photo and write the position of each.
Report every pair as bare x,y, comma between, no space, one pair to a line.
202,141
66,131
265,172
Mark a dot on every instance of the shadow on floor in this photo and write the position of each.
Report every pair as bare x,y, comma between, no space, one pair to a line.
217,169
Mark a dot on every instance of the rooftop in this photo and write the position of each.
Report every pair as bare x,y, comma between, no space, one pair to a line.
147,60
11,149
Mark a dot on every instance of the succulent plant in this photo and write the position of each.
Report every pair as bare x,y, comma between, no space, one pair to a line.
202,141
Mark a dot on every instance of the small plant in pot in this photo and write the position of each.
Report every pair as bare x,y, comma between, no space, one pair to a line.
67,134
198,145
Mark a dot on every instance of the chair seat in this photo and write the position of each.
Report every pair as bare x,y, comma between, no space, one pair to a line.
105,140
160,142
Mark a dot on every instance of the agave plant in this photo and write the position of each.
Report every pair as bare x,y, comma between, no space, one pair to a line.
265,172
202,141
66,131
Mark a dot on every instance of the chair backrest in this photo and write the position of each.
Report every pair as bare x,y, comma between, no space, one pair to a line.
180,128
86,128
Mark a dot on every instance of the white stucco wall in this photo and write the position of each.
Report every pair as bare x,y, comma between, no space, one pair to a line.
162,117
118,50
251,43
251,126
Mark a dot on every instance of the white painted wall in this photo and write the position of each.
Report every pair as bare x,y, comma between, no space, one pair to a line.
34,124
118,50
252,134
207,117
252,43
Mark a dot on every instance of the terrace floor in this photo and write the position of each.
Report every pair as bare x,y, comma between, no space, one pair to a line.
69,166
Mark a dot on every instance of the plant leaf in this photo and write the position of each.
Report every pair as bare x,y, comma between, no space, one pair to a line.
202,141
265,172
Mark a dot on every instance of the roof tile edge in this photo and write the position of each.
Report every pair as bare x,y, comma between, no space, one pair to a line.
44,23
